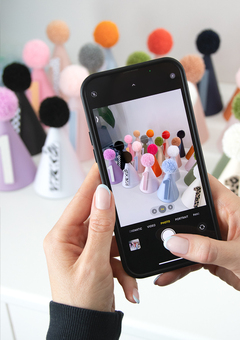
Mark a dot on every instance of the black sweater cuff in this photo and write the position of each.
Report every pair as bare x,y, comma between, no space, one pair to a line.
72,323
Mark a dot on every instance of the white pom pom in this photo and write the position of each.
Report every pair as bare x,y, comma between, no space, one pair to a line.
173,151
196,172
231,142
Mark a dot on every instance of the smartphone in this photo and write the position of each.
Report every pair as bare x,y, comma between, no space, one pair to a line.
142,128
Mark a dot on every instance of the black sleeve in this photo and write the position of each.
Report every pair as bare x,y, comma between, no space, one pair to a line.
72,323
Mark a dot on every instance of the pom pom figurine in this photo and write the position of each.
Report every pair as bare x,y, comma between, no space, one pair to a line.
137,57
91,56
106,34
144,140
130,175
115,173
193,196
150,135
194,68
189,178
165,136
176,141
208,43
136,134
58,33
17,78
228,110
128,139
137,148
160,42
168,191
160,156
119,146
17,169
181,135
59,172
190,152
153,149
149,182
190,163
71,79
36,56
230,175
173,152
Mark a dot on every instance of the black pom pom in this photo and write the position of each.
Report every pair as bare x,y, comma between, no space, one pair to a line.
208,42
181,134
54,112
16,77
119,145
127,156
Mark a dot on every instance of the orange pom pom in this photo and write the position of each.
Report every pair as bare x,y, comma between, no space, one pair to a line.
160,41
150,133
106,34
58,32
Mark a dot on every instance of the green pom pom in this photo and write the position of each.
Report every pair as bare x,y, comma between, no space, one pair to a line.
159,141
137,57
236,106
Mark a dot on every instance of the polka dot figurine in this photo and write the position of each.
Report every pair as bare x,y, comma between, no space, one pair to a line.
153,149
149,182
17,170
115,173
130,175
193,196
119,146
168,191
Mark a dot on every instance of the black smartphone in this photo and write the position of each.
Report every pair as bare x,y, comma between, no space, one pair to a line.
143,131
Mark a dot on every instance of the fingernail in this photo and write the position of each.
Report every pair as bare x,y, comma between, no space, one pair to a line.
155,280
103,197
136,295
176,244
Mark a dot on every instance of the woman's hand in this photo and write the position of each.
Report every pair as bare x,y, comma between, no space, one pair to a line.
79,251
221,258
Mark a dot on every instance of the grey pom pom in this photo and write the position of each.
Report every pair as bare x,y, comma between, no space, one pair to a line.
91,56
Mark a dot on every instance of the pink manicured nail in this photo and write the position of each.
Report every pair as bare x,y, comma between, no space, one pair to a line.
103,197
177,244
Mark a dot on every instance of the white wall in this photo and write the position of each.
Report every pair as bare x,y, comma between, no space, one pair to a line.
23,20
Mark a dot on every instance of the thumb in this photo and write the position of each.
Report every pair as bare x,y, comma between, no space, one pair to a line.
205,250
101,225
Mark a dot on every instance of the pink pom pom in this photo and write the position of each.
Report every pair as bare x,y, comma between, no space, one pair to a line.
152,148
36,54
147,160
128,139
8,104
136,146
109,154
71,79
238,78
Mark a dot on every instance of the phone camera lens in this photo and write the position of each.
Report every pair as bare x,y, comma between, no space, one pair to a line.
94,94
172,75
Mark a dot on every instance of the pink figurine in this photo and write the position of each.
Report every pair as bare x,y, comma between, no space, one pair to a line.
115,173
36,55
149,182
17,169
128,139
137,148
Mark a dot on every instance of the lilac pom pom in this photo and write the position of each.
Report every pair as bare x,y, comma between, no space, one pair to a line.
109,154
169,166
8,104
128,139
152,148
137,146
147,160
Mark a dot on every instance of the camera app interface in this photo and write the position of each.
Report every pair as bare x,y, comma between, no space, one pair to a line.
152,168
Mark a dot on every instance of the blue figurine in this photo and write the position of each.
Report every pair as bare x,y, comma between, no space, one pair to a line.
168,191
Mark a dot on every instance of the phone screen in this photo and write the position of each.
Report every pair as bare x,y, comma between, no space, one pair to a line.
146,143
